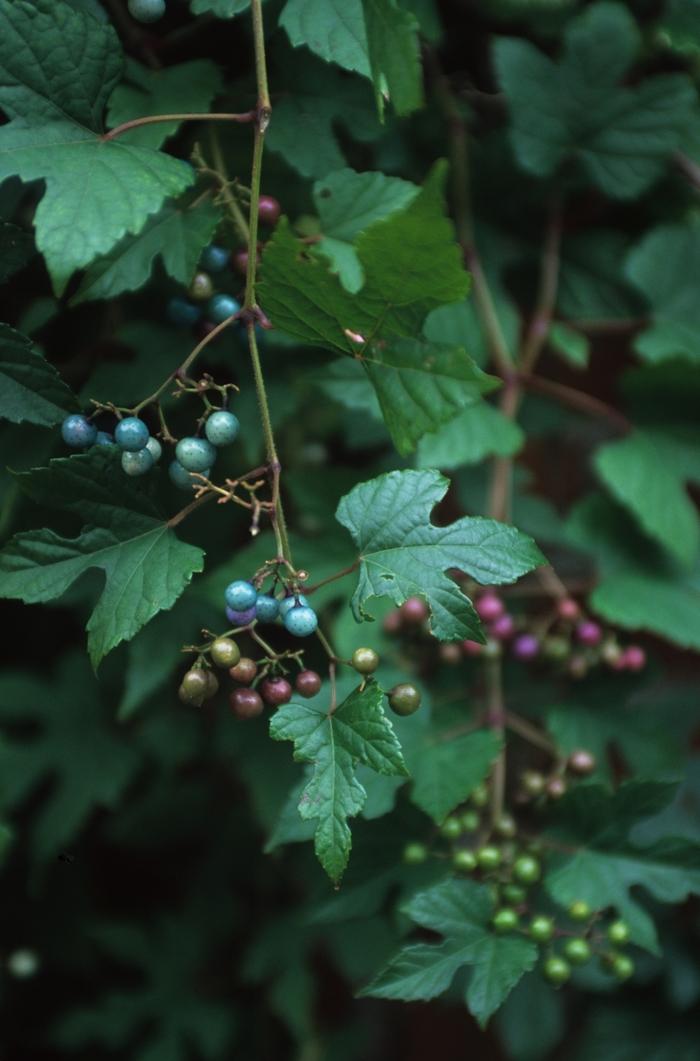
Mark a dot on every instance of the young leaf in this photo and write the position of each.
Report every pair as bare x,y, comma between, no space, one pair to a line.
176,235
461,912
356,732
402,553
146,567
577,108
606,863
30,388
394,55
446,770
58,67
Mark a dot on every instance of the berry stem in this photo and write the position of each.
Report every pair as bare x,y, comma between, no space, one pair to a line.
333,578
151,119
531,734
221,175
576,399
184,512
495,717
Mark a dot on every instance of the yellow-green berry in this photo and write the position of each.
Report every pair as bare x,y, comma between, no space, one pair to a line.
451,828
464,860
578,951
415,853
541,928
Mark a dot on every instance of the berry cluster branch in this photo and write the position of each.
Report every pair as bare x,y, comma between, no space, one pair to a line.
151,119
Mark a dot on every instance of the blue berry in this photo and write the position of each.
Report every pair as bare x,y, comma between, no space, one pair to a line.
104,439
266,608
240,595
183,479
221,428
154,448
301,620
131,434
146,10
290,602
183,313
137,463
214,258
195,454
240,618
78,432
221,307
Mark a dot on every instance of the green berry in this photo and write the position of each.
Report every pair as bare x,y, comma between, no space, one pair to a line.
533,783
541,928
464,860
404,699
225,652
365,660
414,854
505,919
578,951
618,932
201,288
479,796
195,685
622,966
470,821
488,857
556,970
526,869
514,894
505,826
579,911
451,828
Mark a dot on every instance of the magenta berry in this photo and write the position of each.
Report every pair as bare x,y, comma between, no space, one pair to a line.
634,658
502,628
276,691
568,609
589,633
414,611
526,647
489,607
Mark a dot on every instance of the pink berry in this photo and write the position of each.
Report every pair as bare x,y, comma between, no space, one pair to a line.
526,647
489,606
567,608
634,658
392,621
502,628
451,652
471,648
589,632
414,610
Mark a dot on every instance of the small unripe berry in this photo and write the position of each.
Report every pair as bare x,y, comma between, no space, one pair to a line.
212,685
618,932
146,10
470,821
489,607
589,633
556,788
581,762
414,854
502,628
526,647
533,782
195,684
404,699
276,691
479,796
526,869
464,860
308,683
246,703
451,828
579,910
541,929
23,963
414,611
269,210
568,609
505,920
201,287
578,666
611,653
555,648
622,967
488,857
556,970
365,660
225,652
506,827
513,894
578,951
245,670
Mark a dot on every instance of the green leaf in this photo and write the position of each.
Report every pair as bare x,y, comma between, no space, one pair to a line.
607,863
659,266
58,730
347,204
446,769
30,388
644,474
403,554
176,235
421,385
146,567
461,912
220,8
478,432
576,107
332,29
592,284
394,55
356,732
188,88
570,344
411,265
58,67
16,249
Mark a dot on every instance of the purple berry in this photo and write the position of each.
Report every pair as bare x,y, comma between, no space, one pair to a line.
589,633
240,618
489,606
526,647
634,658
502,628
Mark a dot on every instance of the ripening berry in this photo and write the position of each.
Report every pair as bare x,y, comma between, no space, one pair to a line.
488,857
240,261
244,671
404,699
131,434
622,967
451,653
269,210
556,788
451,828
556,970
195,454
221,307
489,606
581,762
214,258
541,929
464,860
502,628
246,703
578,951
506,827
201,288
471,648
78,432
579,910
266,608
505,920
240,595
195,684
533,782
137,463
222,428
578,666
391,623
414,611
526,647
182,478
634,658
289,602
555,648
308,683
365,660
526,869
225,652
568,609
589,633
276,691
414,854
182,313
301,621
618,932
212,685
479,796
244,618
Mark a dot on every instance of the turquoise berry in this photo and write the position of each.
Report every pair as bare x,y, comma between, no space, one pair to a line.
301,621
221,428
154,448
137,463
182,313
266,608
182,478
214,258
195,454
240,595
146,10
221,307
131,434
104,439
78,432
290,602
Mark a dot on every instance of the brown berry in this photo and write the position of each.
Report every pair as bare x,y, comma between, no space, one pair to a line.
246,703
308,683
451,653
414,611
245,670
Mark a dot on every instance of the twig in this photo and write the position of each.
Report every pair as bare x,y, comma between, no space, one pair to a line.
248,116
576,399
